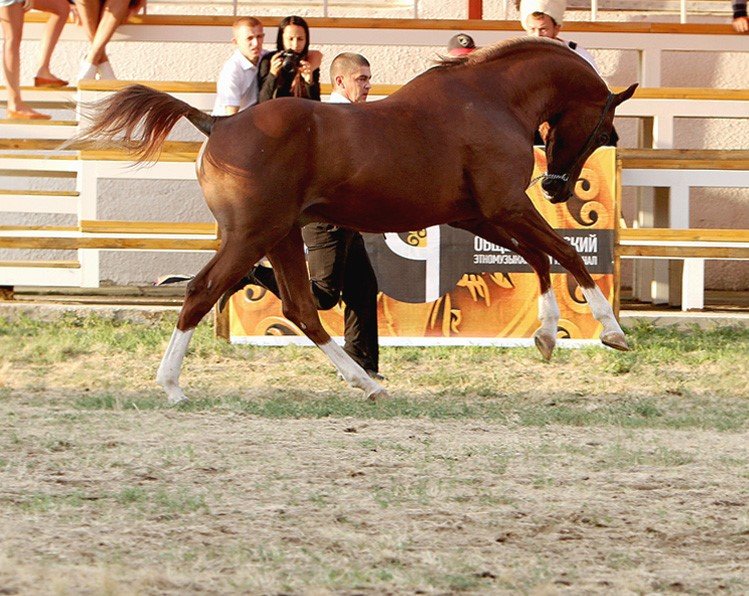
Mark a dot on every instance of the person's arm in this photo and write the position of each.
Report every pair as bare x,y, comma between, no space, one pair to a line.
313,89
228,91
740,19
268,70
311,74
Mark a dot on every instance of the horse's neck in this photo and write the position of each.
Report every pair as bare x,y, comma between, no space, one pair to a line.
550,84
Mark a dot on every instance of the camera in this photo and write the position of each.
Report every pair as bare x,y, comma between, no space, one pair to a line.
291,61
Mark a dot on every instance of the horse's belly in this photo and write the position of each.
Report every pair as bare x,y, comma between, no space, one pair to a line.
388,215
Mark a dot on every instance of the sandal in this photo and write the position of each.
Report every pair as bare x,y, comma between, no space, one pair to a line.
49,82
30,115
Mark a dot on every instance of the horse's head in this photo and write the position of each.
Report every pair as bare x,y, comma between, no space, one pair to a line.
573,136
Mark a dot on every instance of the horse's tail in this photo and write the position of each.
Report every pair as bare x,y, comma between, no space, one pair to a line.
140,118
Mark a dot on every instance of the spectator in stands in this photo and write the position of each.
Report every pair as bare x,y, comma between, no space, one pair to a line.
740,20
11,14
460,45
238,84
294,70
100,18
543,18
339,266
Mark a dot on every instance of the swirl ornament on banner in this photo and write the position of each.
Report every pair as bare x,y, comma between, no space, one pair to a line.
446,283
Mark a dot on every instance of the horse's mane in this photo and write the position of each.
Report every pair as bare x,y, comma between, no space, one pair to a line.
497,51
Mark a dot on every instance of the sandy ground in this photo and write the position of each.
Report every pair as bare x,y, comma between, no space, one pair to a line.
104,490
170,502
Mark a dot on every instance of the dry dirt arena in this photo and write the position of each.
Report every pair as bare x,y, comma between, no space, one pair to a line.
169,502
467,481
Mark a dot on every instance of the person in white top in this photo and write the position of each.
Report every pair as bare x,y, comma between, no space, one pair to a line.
238,85
543,18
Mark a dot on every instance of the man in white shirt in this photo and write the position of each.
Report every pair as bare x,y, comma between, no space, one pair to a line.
339,266
543,18
238,85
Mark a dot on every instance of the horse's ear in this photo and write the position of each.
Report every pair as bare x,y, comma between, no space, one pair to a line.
626,94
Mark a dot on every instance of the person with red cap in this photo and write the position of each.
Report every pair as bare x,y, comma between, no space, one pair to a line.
460,44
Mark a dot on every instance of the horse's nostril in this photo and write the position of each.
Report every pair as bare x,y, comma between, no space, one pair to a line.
550,185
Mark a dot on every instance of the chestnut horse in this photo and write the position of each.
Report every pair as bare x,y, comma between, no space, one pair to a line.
452,146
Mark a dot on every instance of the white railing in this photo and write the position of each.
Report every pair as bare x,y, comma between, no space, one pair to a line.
319,8
687,10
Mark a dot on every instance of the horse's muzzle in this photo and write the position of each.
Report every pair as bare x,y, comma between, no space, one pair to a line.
555,189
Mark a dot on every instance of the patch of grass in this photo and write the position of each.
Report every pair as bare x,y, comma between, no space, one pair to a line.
672,379
619,457
130,495
77,335
46,502
665,412
118,401
161,501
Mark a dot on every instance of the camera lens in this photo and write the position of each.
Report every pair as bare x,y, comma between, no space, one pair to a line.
290,61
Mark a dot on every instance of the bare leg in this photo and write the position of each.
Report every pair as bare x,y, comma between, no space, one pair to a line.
12,23
112,16
59,10
89,11
287,258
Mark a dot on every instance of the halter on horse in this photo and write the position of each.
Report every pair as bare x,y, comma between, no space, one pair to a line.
452,146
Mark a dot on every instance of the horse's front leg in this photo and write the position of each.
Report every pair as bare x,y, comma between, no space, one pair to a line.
536,231
287,258
545,336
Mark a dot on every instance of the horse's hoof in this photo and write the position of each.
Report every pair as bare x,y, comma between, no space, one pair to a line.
174,394
615,340
545,344
377,394
177,398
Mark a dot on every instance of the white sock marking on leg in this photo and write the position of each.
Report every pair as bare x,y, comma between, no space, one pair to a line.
351,371
602,310
171,365
548,312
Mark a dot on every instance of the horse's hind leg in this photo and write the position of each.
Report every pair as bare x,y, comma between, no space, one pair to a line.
535,230
287,258
225,269
545,337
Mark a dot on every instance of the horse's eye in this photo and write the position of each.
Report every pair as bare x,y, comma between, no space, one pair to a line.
603,138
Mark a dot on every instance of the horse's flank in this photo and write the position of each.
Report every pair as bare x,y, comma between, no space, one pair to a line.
410,160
